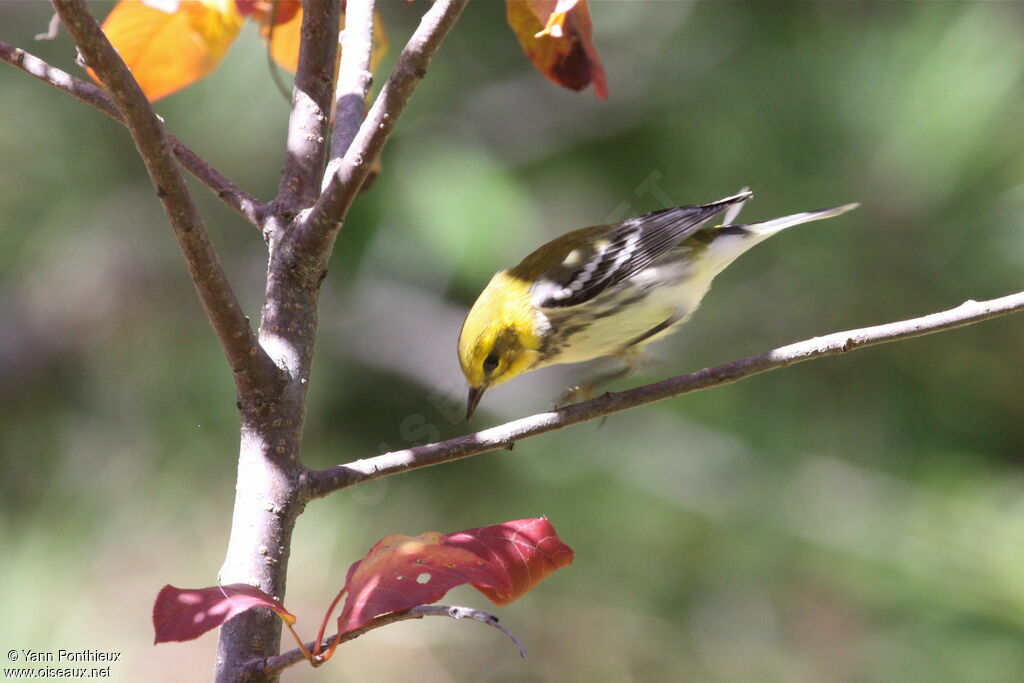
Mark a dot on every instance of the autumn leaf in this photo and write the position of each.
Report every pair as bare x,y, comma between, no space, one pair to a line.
401,572
284,36
527,550
557,37
173,45
269,11
185,614
504,562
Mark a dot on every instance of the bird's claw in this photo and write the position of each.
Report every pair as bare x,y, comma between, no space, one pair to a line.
575,394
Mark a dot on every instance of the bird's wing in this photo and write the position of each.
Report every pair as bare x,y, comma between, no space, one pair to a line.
628,248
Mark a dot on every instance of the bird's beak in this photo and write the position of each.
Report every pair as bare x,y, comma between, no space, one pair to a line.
475,394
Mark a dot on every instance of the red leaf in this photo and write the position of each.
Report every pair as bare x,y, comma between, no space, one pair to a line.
557,36
527,549
264,10
503,562
185,614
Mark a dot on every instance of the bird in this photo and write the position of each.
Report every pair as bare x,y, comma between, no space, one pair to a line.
606,291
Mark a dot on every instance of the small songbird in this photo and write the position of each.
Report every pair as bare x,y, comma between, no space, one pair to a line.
606,290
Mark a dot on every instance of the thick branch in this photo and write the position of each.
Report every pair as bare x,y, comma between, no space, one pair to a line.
312,97
229,193
252,367
321,226
504,436
354,78
275,665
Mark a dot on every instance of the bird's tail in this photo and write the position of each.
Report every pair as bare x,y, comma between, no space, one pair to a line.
768,228
727,242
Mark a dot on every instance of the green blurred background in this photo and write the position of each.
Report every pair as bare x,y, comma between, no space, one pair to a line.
852,519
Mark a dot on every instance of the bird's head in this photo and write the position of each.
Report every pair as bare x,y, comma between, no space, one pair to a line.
500,338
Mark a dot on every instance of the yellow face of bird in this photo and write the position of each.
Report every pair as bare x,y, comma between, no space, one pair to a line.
499,339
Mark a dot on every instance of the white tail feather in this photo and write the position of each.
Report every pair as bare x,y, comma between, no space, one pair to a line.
773,226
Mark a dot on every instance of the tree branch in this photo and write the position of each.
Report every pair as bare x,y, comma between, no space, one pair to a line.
322,224
275,665
253,369
505,436
312,97
238,199
354,79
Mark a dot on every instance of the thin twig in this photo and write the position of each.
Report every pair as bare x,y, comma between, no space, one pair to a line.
320,227
238,199
51,29
503,436
253,369
275,665
312,97
483,617
354,79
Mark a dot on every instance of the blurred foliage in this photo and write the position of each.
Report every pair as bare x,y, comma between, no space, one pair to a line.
852,519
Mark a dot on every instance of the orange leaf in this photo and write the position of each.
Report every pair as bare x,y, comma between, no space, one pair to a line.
401,572
186,613
557,37
167,51
285,39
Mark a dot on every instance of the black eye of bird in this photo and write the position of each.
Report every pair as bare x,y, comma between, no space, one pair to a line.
491,362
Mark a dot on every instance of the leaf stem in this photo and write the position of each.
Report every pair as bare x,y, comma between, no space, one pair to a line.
302,646
323,626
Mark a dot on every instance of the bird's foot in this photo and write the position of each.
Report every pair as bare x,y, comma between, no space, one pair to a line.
576,394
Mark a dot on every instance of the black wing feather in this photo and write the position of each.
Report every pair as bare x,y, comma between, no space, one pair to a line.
634,245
